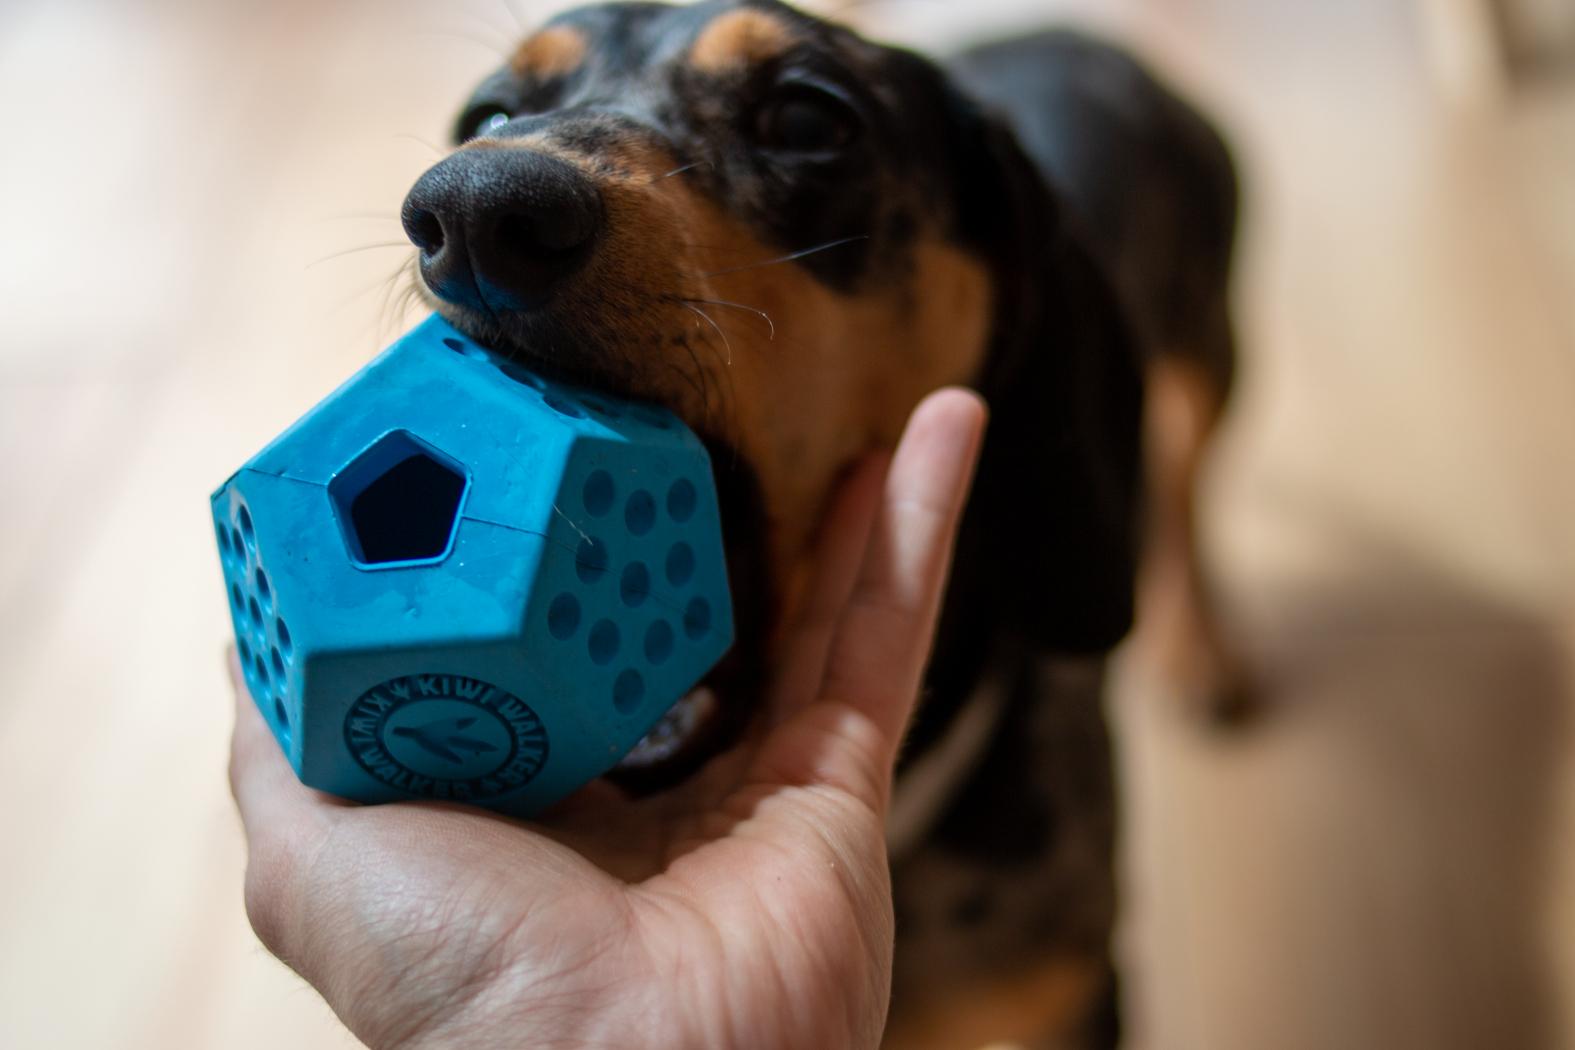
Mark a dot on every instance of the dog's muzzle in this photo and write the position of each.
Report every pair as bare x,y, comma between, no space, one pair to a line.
500,228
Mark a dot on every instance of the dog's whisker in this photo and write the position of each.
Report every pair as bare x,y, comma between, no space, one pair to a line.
348,216
847,6
362,248
389,286
793,255
385,283
410,296
519,21
739,306
501,54
439,150
680,171
396,298
719,331
407,300
476,18
697,381
728,404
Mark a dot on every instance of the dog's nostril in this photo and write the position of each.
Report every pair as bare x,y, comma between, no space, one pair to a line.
428,233
544,235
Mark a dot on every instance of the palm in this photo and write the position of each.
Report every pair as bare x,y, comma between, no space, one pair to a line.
749,907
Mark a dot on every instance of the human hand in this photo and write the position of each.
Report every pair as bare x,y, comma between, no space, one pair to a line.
749,907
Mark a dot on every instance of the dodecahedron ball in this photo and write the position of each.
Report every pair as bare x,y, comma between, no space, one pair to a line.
453,579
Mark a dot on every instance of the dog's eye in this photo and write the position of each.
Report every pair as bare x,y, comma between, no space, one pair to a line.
482,120
807,119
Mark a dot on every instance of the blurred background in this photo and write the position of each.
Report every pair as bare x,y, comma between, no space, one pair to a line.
199,241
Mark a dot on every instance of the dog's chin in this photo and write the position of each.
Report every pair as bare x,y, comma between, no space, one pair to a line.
712,716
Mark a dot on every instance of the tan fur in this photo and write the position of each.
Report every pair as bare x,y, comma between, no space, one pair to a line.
550,53
1030,1008
803,395
739,39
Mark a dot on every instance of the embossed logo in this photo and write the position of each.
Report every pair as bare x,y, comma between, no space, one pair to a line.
446,736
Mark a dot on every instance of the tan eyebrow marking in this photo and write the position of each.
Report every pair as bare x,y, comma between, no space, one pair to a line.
738,40
550,53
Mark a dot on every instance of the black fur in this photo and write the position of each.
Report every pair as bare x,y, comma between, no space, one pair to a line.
1149,182
1119,233
1105,210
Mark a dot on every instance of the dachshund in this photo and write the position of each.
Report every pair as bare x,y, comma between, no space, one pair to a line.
789,235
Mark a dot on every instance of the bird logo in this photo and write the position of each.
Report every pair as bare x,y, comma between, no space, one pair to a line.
444,737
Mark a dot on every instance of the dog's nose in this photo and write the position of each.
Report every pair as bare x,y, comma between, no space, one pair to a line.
499,228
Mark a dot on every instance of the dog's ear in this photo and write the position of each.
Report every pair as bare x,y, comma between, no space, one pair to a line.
1053,521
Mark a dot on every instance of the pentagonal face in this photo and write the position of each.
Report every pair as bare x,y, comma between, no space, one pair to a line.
295,596
399,502
264,642
631,605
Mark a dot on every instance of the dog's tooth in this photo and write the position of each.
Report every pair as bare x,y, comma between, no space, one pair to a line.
673,731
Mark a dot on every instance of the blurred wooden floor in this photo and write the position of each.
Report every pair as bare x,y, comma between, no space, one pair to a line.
1388,861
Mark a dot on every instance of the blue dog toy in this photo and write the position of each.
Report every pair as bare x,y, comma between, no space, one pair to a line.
453,579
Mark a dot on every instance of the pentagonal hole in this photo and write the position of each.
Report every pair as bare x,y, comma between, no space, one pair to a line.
409,512
399,501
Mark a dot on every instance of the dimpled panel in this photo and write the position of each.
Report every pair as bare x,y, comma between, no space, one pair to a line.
535,578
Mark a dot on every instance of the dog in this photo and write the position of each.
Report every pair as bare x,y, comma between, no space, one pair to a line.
789,235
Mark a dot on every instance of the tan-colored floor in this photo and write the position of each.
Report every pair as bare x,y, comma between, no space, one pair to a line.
1387,861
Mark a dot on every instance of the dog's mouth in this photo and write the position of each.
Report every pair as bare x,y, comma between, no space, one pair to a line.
678,729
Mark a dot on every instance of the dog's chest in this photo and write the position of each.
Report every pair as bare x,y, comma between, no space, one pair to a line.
1012,863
